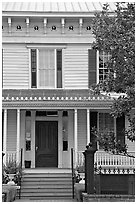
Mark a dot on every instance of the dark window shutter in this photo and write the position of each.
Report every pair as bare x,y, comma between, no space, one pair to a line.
59,68
33,68
2,68
92,67
120,129
93,123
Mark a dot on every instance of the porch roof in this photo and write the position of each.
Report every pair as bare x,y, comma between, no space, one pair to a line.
54,98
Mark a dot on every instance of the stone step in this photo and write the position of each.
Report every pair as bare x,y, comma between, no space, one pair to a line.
46,185
46,194
46,175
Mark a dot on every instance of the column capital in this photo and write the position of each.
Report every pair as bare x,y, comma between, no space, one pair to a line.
18,111
75,110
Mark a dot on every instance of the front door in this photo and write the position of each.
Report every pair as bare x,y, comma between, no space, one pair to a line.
46,144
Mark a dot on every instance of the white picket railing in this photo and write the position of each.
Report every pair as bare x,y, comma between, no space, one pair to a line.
106,159
10,156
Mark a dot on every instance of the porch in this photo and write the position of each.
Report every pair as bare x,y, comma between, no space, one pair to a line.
103,159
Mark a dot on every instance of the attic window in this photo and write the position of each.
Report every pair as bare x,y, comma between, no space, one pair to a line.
70,27
36,28
88,27
54,28
18,27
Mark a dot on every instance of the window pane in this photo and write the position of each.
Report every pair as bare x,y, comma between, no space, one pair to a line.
46,68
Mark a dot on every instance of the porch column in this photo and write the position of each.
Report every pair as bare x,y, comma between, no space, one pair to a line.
5,135
75,134
88,126
18,136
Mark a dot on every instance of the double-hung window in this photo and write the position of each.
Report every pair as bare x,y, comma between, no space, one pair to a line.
46,68
103,70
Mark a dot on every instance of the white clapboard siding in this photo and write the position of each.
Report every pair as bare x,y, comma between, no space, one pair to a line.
15,66
11,130
82,130
76,66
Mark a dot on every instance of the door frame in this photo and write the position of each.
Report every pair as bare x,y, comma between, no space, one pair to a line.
52,118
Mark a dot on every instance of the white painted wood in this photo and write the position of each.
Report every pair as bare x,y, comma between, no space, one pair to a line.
75,134
5,135
60,156
55,70
29,50
88,126
11,130
15,66
9,23
97,61
32,155
22,135
76,67
18,136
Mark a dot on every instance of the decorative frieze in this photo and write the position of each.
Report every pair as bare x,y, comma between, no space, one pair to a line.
60,26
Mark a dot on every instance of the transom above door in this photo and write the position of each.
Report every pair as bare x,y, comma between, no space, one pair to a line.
46,144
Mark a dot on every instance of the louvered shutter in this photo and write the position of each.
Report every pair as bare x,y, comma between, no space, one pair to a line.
120,129
33,68
59,68
92,67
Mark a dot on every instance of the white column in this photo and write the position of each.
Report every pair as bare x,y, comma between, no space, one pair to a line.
75,134
18,136
5,135
88,126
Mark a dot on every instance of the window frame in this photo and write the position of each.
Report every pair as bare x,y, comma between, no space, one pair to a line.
55,48
98,67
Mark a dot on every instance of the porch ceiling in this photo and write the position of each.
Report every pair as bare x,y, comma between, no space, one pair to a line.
39,98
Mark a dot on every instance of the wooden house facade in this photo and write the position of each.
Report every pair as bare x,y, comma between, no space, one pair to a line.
48,67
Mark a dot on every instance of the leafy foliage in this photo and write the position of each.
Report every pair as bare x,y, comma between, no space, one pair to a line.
115,34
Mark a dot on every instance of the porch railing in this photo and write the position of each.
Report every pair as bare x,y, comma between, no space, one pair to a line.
106,159
11,156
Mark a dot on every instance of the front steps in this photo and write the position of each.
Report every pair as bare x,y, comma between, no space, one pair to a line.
46,184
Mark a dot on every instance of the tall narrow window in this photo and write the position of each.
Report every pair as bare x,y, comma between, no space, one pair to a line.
46,68
33,68
59,68
103,70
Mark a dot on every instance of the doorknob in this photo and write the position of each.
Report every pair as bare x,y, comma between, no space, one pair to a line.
36,148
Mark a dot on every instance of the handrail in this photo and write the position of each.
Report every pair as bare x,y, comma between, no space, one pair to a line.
72,168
